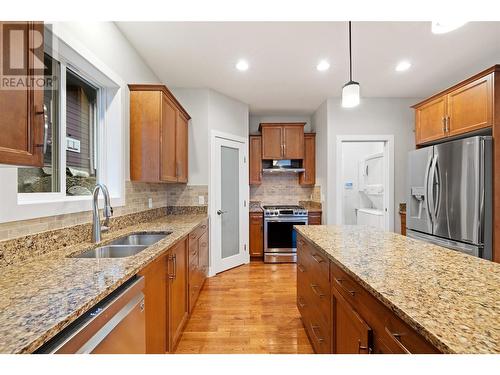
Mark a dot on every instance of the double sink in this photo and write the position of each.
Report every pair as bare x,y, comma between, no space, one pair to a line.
125,246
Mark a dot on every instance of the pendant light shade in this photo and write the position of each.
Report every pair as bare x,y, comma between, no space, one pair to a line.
350,91
350,94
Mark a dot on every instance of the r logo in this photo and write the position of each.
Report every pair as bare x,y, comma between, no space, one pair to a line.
22,50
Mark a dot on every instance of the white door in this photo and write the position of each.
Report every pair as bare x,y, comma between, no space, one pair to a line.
230,212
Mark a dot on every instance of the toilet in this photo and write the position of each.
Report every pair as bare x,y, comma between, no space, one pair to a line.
371,217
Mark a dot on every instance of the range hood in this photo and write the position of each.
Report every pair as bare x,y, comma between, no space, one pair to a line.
282,166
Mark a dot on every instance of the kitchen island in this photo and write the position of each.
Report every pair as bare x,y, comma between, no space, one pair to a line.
367,291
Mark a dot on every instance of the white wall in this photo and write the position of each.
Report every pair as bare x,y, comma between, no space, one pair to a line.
107,43
255,120
319,125
209,110
195,101
374,116
227,115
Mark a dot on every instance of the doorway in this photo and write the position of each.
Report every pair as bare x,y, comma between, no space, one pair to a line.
365,181
228,202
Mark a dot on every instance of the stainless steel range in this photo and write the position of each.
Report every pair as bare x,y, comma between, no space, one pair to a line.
280,244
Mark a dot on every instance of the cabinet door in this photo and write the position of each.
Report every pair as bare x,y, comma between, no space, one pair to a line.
308,177
293,142
203,254
430,121
255,160
178,293
155,295
145,119
351,334
22,115
471,107
256,235
272,142
181,148
168,140
314,218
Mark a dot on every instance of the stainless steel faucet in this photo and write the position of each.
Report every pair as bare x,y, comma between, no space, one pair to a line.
108,212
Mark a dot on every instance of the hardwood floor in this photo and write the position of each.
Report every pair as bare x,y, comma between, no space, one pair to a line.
249,309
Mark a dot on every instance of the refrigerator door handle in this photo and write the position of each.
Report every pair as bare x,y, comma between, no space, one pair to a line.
430,189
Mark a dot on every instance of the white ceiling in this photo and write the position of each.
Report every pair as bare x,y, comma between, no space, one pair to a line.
283,55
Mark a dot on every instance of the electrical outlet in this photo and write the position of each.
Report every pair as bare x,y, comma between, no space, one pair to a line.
150,202
201,199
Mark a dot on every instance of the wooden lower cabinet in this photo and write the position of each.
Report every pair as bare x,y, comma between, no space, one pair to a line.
340,316
155,298
198,262
351,333
167,290
314,218
178,309
256,242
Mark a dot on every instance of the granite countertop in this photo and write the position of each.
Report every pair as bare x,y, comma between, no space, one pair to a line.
255,207
450,298
41,296
311,206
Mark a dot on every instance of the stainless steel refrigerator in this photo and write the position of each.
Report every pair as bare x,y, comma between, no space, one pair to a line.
450,195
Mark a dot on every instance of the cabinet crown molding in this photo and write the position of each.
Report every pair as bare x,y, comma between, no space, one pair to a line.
164,89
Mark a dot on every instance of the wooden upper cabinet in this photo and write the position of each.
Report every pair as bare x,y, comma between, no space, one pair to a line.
430,121
182,148
308,177
293,142
466,107
471,107
351,334
255,160
22,114
168,141
158,135
282,140
272,143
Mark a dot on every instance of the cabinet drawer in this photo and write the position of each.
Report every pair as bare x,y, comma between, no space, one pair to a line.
198,231
319,334
390,332
314,261
193,252
349,289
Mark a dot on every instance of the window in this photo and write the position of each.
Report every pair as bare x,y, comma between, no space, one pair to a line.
79,145
46,179
81,135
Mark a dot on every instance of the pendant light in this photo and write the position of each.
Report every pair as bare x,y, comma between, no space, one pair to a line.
350,91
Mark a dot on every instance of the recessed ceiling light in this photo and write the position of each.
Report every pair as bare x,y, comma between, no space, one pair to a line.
403,65
323,65
242,65
439,27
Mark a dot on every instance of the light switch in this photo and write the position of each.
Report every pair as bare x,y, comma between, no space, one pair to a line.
150,202
201,199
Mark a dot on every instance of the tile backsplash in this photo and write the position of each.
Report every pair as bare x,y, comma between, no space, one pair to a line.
137,195
283,188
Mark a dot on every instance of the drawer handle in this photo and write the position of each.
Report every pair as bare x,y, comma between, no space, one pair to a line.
364,348
397,338
340,283
301,304
301,243
315,328
301,267
204,226
317,291
317,258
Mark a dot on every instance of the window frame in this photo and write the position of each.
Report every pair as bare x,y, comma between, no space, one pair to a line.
112,99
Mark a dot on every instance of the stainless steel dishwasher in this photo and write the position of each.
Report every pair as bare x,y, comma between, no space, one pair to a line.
116,325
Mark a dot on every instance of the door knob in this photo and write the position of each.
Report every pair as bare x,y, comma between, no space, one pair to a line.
220,212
